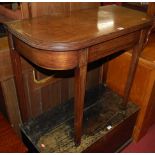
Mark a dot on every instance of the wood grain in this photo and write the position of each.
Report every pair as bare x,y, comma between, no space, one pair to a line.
56,49
34,9
133,65
48,59
36,34
151,9
80,85
36,105
114,139
106,48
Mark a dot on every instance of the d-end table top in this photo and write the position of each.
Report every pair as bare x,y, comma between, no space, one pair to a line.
78,29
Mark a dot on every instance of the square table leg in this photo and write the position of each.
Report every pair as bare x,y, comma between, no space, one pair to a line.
80,83
133,65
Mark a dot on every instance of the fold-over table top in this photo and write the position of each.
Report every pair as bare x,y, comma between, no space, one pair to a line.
78,29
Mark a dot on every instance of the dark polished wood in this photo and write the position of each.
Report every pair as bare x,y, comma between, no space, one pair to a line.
46,32
114,139
40,96
134,61
48,59
36,9
48,44
126,41
80,84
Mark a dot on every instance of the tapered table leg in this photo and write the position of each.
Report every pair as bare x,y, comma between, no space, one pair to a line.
133,65
80,82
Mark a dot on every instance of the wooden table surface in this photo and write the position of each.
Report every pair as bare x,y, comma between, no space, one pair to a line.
79,29
72,41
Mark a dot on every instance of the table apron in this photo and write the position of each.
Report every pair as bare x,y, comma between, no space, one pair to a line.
56,60
51,60
112,46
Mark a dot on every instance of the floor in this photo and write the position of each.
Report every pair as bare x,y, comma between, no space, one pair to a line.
9,141
145,145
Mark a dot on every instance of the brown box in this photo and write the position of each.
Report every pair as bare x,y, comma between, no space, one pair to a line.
105,127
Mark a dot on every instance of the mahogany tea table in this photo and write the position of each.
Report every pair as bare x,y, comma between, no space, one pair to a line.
72,41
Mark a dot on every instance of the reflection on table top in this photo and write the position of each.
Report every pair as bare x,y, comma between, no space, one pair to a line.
78,29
